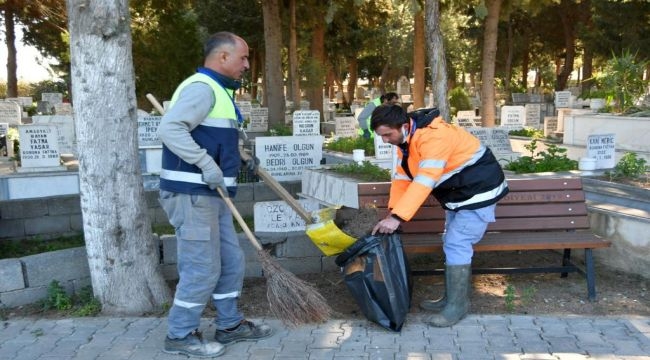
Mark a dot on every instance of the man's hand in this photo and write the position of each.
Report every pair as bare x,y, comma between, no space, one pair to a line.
251,164
366,133
388,225
213,177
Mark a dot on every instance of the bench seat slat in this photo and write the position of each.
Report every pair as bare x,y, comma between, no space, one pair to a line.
427,243
506,224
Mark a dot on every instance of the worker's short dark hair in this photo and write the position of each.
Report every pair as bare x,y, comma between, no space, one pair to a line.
392,116
390,96
217,40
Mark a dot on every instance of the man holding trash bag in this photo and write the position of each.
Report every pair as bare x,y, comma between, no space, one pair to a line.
462,174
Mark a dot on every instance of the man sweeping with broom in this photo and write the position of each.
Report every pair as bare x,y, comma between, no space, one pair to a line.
463,175
200,154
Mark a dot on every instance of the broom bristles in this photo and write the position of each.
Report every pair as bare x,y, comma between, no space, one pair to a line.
291,299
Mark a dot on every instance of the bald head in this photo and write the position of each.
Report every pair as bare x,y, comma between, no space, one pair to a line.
227,54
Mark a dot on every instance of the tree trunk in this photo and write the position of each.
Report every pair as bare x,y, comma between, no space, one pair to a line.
122,253
511,48
437,58
293,57
274,87
10,38
569,24
315,94
419,59
490,35
353,78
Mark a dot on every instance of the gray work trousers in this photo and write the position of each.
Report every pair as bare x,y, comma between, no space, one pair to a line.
210,261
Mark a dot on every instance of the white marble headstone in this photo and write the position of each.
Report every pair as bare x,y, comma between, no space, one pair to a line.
345,126
602,147
278,216
286,157
259,119
550,125
67,140
148,131
533,115
306,122
513,117
495,138
39,147
563,99
52,98
467,118
10,112
383,150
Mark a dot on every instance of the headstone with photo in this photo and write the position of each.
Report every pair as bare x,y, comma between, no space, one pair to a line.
513,117
345,126
550,125
10,113
278,216
52,98
67,140
383,150
602,147
259,119
39,148
286,157
533,115
306,122
467,118
563,99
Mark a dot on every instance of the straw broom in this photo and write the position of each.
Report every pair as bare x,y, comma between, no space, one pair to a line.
291,299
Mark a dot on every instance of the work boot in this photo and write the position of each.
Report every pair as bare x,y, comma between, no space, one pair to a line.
439,304
245,331
458,283
193,345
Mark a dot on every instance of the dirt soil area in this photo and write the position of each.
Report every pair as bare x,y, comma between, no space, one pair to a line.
531,294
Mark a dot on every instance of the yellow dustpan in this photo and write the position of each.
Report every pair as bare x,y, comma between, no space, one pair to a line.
320,224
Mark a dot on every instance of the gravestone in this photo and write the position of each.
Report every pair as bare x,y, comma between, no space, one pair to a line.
63,109
286,157
562,99
383,150
497,140
4,141
10,113
52,98
306,123
148,131
25,101
44,108
245,108
304,105
403,86
467,118
278,216
550,125
602,147
519,98
533,115
259,119
513,117
39,148
67,140
535,98
345,126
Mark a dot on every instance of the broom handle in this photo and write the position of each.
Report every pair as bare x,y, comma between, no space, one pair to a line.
240,220
280,190
231,206
155,104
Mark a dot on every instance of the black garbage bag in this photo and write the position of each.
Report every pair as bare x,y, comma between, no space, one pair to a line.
377,274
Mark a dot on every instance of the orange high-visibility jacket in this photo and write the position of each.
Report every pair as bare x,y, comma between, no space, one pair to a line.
450,163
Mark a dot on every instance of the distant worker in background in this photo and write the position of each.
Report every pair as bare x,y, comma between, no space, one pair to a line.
365,116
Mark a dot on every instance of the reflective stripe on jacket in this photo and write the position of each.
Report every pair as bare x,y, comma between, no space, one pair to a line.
449,163
217,134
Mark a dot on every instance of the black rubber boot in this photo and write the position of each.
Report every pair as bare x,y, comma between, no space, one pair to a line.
437,305
458,282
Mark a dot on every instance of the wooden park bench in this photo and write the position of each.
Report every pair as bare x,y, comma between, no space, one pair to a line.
537,214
